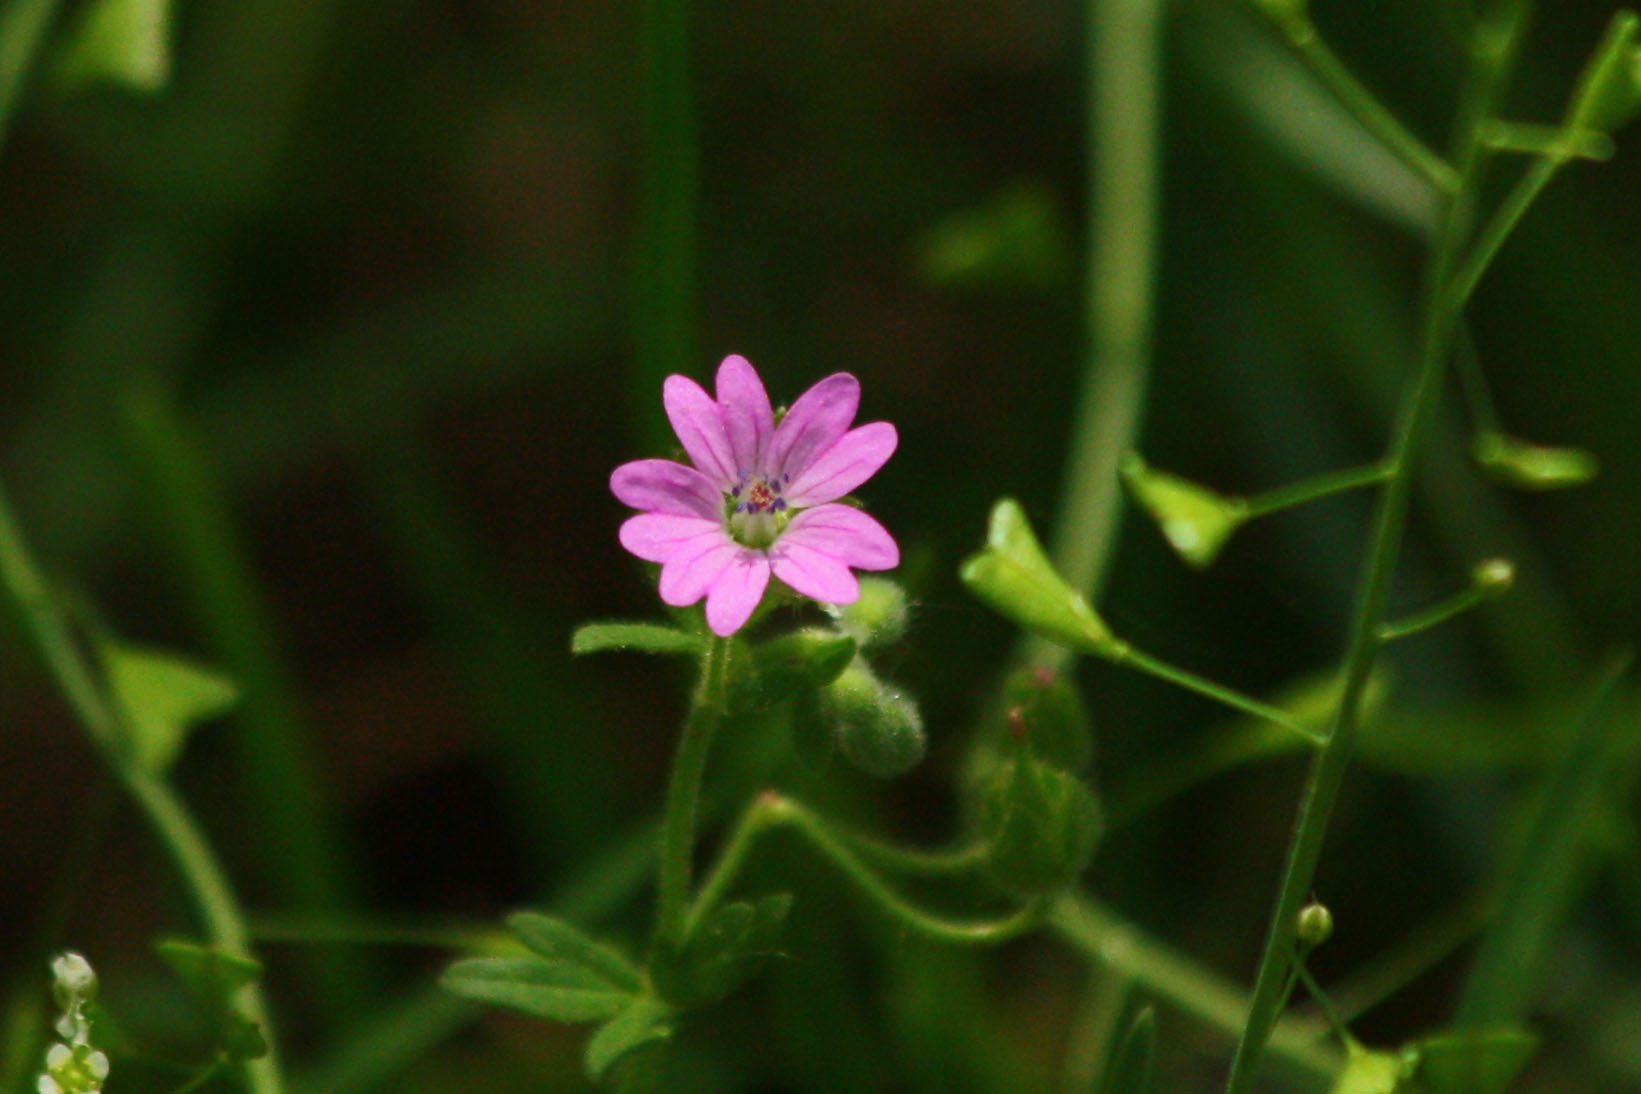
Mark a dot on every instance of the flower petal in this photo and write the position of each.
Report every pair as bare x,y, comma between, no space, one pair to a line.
663,486
735,595
816,420
688,574
813,573
845,533
855,457
748,418
699,423
659,537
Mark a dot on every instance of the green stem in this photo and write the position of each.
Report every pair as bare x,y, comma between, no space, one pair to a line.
684,791
1366,108
1123,654
1120,164
1436,614
1412,428
202,874
1490,240
1473,383
1313,489
1329,1011
23,26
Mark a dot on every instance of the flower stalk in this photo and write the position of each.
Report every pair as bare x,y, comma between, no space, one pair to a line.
684,791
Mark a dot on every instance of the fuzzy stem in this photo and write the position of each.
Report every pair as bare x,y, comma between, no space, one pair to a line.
684,791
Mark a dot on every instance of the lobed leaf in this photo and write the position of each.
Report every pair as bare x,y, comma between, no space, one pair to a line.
562,991
557,941
634,637
644,1021
723,952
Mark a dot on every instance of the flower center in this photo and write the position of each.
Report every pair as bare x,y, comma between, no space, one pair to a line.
757,511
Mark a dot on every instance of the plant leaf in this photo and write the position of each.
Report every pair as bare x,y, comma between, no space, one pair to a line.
563,991
555,940
725,951
635,637
121,42
163,696
1013,576
644,1021
211,975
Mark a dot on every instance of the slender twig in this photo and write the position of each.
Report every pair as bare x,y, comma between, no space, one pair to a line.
684,790
1314,489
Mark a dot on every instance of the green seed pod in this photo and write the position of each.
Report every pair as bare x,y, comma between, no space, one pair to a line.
1042,825
1315,923
1045,706
879,729
878,618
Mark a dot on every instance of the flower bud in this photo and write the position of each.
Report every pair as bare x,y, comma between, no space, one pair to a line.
879,729
1041,825
1044,706
878,618
1315,924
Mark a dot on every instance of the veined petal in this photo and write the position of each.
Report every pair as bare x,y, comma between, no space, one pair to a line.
659,537
664,486
813,573
815,422
748,418
735,594
854,458
845,533
699,423
687,575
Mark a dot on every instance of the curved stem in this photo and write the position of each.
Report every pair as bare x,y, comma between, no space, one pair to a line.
1412,427
684,791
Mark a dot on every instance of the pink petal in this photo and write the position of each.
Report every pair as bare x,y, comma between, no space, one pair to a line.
816,420
735,595
813,573
846,534
663,486
699,423
687,575
748,418
855,457
659,537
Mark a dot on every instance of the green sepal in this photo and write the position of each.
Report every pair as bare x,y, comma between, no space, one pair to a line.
728,948
555,940
801,661
562,991
1045,705
1473,1061
1367,1071
215,978
1131,1068
1194,520
878,728
1013,576
1609,89
634,637
1040,824
162,697
1528,466
123,42
644,1021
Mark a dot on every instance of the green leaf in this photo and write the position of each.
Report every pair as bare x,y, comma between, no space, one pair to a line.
1528,466
1013,576
1194,520
162,697
636,637
557,941
1370,1072
211,975
121,42
1132,1067
1474,1061
725,951
645,1021
563,991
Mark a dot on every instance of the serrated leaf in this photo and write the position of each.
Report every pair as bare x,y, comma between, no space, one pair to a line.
725,951
1474,1061
1014,577
1132,1067
121,42
1528,466
162,697
211,975
554,940
1194,520
643,1022
563,991
634,637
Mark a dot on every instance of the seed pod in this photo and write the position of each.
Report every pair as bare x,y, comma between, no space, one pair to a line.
1041,823
879,728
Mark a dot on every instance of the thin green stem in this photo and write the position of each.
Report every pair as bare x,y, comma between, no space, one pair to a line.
684,791
23,26
1124,654
1478,396
1412,428
1313,489
1478,593
1121,166
202,874
1329,1011
1128,951
1490,240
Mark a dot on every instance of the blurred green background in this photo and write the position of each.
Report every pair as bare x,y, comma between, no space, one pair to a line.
315,363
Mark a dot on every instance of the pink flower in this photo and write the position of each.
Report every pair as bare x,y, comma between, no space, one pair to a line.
761,498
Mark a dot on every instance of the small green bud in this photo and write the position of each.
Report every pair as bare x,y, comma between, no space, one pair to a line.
1608,94
878,618
1529,466
1041,825
1494,576
1315,924
879,729
1045,710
